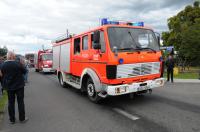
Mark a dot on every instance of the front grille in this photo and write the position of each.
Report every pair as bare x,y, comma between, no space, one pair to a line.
138,69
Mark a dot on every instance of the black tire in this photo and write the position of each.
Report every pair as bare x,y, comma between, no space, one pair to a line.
91,92
36,70
62,83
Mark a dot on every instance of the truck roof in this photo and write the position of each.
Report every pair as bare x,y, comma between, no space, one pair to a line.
55,42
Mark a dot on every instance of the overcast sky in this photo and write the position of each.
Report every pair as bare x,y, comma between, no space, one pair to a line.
26,25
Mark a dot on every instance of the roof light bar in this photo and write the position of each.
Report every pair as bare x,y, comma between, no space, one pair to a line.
105,21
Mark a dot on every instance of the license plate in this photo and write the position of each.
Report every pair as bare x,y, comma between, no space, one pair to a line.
141,88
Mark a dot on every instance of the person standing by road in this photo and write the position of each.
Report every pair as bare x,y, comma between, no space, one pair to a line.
1,88
13,81
170,68
25,64
27,71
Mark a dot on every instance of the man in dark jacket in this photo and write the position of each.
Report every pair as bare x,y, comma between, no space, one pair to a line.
170,67
13,81
1,88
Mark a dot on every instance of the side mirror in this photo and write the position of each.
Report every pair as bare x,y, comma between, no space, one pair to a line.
96,46
96,37
115,50
158,37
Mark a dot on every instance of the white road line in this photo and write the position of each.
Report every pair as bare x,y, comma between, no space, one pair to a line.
126,114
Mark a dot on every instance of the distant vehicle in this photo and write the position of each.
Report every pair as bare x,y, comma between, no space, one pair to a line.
30,58
113,59
43,61
18,57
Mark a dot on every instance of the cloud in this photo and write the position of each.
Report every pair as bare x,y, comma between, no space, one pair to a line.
26,25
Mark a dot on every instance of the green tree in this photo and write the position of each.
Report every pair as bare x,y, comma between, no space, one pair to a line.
3,51
184,33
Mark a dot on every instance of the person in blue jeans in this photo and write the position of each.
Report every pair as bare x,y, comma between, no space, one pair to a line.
27,71
25,64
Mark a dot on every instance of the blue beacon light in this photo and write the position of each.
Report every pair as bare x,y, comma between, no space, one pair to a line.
113,22
141,24
121,61
104,21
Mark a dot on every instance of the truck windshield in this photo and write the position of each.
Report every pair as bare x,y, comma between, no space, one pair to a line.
131,39
47,57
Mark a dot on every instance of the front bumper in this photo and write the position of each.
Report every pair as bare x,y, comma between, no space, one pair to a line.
114,90
48,70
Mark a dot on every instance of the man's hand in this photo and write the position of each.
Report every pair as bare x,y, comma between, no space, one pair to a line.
1,74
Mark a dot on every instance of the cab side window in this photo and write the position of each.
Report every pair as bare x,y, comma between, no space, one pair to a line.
102,41
77,46
40,57
85,43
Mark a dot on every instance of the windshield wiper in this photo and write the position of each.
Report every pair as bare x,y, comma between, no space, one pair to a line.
131,49
126,49
129,32
147,48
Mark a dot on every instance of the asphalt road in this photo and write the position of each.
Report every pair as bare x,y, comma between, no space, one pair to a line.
50,108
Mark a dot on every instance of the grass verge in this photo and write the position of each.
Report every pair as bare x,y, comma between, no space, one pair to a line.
185,76
3,101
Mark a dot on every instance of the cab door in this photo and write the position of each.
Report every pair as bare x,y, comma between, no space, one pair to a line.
76,56
98,55
40,64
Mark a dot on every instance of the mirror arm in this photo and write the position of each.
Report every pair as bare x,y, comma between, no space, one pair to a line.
158,37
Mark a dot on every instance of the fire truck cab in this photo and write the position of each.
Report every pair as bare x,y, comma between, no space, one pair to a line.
30,58
111,60
43,61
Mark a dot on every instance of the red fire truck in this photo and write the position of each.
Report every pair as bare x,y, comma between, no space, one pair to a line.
113,59
30,58
43,61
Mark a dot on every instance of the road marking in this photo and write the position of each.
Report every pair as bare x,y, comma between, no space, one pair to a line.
126,114
52,77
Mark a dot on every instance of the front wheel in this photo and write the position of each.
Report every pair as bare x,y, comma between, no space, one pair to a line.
92,94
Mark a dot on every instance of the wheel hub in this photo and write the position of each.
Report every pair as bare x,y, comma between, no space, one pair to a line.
90,90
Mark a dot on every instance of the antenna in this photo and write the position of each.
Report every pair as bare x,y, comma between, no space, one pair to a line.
43,47
67,31
63,37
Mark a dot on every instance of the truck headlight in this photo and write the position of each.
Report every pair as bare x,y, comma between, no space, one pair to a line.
160,82
46,65
121,89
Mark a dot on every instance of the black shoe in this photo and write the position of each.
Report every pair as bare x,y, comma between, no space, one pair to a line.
25,120
12,122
